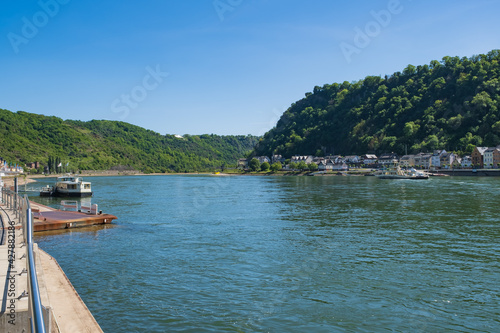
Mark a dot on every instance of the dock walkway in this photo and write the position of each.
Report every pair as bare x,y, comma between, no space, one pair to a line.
47,218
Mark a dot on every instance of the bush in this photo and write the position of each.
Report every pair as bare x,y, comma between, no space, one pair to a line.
276,166
254,164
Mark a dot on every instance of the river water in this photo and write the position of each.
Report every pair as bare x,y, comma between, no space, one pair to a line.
288,254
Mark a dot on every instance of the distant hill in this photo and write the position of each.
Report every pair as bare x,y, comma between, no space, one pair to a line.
102,144
453,104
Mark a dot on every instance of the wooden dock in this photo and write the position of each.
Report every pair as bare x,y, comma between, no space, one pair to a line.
47,218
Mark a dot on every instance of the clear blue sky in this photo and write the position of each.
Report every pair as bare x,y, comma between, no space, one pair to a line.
224,66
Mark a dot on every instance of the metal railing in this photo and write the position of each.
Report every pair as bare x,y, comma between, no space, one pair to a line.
22,210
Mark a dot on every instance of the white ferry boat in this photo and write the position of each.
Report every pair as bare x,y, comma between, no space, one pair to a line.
68,186
395,172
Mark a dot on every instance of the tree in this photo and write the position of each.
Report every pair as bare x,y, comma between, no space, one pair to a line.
254,164
445,100
265,166
302,165
276,166
312,166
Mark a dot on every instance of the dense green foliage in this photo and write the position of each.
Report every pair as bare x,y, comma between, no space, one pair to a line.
276,166
452,104
254,164
103,144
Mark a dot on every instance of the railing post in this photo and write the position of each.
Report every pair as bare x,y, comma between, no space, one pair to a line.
16,204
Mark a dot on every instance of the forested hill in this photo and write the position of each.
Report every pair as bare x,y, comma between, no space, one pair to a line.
102,145
451,104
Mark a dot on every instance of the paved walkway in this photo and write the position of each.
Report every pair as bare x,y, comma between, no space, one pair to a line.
13,274
68,312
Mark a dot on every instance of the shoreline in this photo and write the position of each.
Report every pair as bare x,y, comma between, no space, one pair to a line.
29,179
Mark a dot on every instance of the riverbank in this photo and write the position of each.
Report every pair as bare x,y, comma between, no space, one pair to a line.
8,181
27,179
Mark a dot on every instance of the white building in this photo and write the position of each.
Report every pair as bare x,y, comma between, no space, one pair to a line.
263,159
369,159
308,159
436,158
488,158
466,162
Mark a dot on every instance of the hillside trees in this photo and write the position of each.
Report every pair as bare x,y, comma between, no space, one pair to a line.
450,104
104,144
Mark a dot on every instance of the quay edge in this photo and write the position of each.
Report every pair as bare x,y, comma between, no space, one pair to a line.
469,172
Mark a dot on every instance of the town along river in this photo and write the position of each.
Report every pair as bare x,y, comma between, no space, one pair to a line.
289,254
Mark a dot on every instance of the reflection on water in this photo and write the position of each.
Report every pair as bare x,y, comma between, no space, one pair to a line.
288,254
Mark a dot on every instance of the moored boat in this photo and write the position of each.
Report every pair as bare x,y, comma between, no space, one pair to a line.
68,186
395,172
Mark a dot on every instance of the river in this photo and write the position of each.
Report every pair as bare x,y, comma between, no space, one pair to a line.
288,254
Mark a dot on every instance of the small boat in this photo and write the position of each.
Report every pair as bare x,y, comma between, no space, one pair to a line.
68,186
395,172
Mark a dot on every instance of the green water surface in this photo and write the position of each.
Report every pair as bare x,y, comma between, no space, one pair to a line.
288,254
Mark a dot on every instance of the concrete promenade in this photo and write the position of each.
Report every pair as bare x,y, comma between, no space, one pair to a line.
64,312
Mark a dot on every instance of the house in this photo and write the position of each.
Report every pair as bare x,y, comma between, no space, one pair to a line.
33,165
457,162
423,160
407,161
466,162
352,159
496,157
335,158
330,165
326,165
263,159
491,158
243,163
436,158
318,160
477,157
447,160
278,158
340,167
297,159
369,159
385,159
